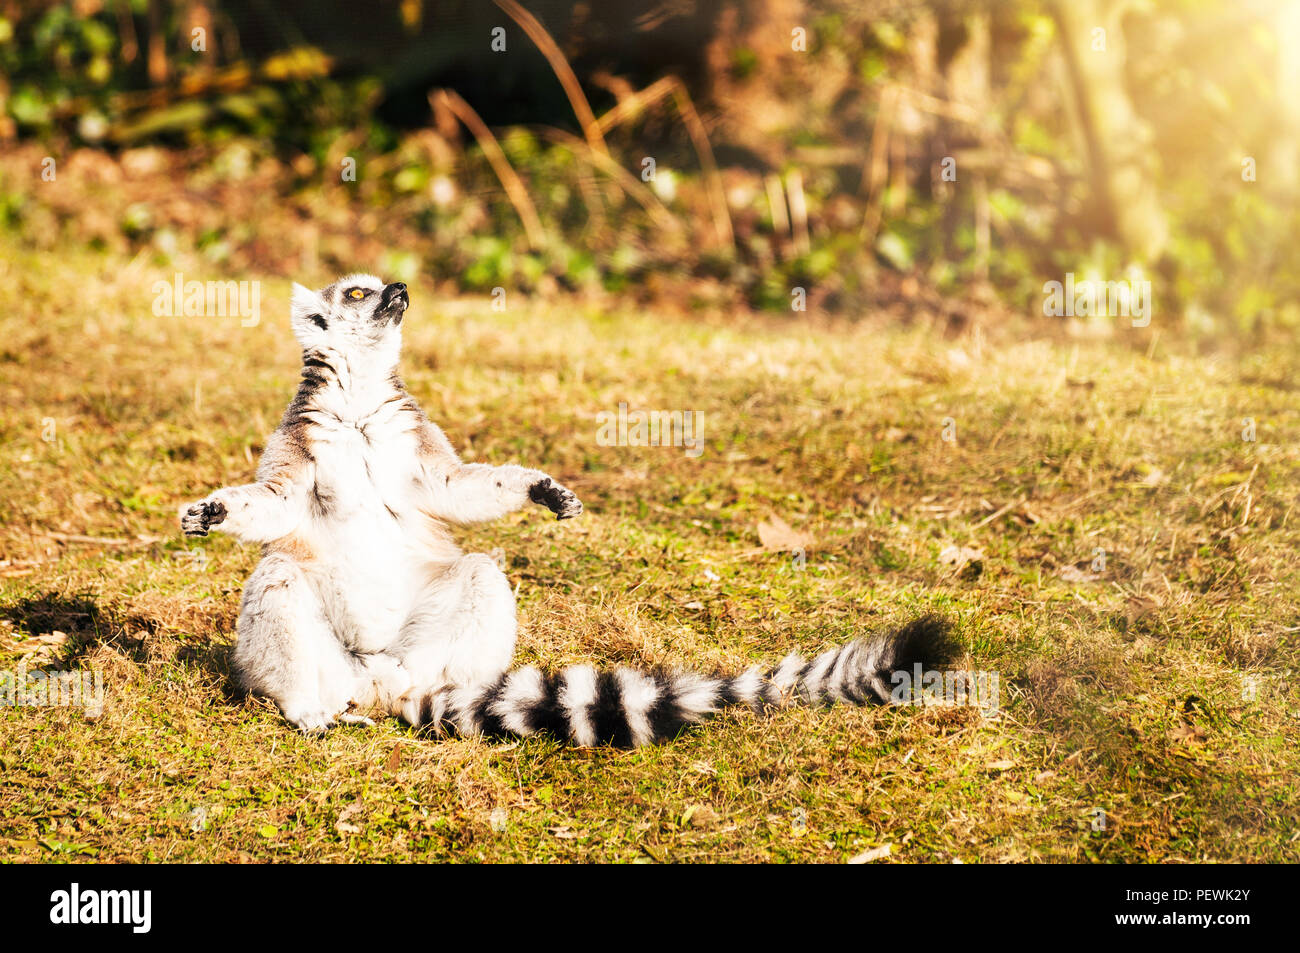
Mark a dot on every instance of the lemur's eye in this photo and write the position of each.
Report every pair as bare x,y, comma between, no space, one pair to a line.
356,293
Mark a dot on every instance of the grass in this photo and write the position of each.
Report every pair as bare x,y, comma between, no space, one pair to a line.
1127,730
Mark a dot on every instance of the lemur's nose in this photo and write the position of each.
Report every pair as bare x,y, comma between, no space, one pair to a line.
396,292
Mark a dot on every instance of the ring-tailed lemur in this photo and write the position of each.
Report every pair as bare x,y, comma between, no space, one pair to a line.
363,601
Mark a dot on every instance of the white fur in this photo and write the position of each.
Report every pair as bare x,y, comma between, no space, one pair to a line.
639,692
814,681
522,689
578,693
363,597
787,673
696,695
748,684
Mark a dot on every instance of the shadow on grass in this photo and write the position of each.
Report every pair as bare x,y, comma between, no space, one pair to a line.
91,625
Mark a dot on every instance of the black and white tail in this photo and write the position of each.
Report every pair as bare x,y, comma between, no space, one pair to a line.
627,708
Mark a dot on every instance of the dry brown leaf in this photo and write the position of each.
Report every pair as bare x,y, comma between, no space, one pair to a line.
1075,574
876,853
1187,734
700,815
777,535
1139,607
967,562
342,825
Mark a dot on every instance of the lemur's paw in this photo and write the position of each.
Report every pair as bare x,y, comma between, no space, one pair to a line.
200,517
314,722
560,500
353,716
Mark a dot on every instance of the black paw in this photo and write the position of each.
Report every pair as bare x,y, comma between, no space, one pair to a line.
197,519
558,499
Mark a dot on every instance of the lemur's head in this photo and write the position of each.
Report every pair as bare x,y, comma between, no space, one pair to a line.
356,313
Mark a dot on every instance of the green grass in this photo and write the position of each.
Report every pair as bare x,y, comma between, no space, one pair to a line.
1121,689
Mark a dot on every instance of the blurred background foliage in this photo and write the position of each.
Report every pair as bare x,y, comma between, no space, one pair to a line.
880,154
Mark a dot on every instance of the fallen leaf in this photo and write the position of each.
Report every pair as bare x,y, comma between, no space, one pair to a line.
1188,734
699,815
1000,765
1151,475
1139,607
395,758
1075,574
342,825
779,536
967,562
876,853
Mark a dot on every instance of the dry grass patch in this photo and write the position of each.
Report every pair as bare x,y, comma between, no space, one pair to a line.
1147,704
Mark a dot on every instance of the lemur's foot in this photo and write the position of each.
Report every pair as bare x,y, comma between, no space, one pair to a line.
197,519
311,721
560,500
353,716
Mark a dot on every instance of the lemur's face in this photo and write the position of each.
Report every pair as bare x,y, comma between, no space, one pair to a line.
355,311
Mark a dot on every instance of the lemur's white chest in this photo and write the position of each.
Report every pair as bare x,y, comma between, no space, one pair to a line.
372,544
364,470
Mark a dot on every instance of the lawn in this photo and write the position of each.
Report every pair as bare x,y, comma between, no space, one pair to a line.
1109,521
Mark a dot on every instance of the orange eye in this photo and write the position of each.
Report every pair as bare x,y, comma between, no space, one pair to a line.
356,293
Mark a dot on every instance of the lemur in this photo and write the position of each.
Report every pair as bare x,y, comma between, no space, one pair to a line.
363,602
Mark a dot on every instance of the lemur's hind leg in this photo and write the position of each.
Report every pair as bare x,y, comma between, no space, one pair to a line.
461,634
288,652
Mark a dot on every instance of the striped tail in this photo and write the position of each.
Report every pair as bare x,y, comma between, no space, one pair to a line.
626,708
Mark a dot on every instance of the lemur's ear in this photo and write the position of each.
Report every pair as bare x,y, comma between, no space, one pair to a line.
307,311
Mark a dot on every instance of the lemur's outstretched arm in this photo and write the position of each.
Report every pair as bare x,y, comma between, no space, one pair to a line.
260,512
467,493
